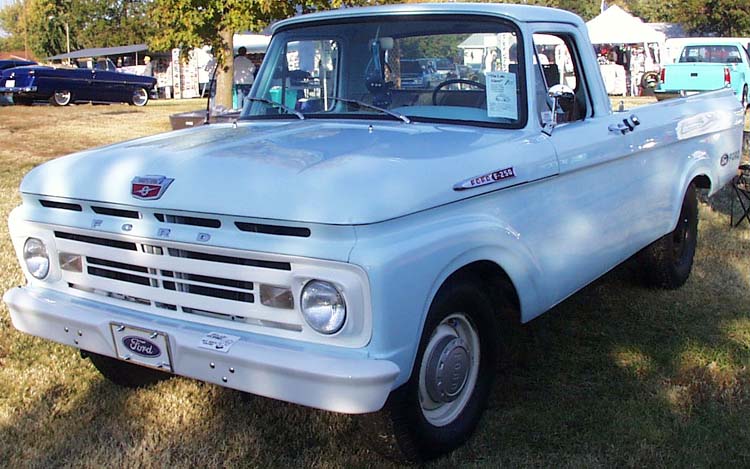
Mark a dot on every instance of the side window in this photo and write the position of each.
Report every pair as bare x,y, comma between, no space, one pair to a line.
556,62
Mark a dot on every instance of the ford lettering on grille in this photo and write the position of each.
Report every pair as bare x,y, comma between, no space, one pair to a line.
141,346
149,187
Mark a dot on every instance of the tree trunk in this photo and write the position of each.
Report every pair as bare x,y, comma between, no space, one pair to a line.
224,75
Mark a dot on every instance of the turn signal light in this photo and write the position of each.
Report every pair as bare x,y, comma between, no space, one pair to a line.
727,77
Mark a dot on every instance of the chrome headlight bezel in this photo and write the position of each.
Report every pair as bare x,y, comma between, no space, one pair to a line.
323,307
36,258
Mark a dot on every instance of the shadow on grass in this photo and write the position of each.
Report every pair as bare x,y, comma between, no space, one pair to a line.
619,375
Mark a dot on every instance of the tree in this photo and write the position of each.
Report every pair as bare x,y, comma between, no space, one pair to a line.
714,17
13,23
188,24
92,23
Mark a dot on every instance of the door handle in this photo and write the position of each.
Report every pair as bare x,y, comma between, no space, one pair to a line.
627,125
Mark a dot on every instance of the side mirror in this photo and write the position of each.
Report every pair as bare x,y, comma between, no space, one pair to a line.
561,91
556,93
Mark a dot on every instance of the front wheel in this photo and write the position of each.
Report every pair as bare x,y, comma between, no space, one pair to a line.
139,98
126,374
440,406
61,98
667,262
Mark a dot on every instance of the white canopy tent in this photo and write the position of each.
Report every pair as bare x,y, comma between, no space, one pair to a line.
616,26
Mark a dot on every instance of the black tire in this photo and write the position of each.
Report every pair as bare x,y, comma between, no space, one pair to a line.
403,430
61,98
139,97
649,82
126,374
667,262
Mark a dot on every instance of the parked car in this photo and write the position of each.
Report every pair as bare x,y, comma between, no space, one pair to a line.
62,86
417,74
357,257
5,98
708,66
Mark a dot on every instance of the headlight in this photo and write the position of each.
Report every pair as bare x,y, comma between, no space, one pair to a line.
323,307
36,258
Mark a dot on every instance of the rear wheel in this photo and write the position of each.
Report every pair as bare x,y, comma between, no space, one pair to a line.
439,407
124,373
139,98
61,98
667,262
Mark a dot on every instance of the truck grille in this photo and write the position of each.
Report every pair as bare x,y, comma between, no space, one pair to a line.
169,281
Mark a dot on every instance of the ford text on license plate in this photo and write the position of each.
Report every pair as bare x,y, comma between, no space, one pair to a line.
142,346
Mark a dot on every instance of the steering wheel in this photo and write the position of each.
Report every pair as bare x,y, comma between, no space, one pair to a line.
457,81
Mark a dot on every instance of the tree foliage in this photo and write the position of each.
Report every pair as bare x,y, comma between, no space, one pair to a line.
92,23
12,22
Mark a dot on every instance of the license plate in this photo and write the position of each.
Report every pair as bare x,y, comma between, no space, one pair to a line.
142,346
10,83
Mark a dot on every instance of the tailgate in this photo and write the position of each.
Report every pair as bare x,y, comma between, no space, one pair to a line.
693,77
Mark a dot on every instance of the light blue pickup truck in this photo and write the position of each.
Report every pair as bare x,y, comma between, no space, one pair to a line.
708,66
356,244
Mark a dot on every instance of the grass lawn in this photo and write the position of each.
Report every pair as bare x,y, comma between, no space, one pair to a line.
617,375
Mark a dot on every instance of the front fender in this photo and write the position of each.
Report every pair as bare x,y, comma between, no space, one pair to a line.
408,259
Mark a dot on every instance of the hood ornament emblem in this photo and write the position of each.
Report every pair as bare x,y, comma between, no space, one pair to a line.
149,187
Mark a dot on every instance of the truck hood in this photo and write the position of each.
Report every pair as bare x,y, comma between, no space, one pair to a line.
331,172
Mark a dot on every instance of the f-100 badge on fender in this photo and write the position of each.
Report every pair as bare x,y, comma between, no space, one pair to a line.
149,187
484,179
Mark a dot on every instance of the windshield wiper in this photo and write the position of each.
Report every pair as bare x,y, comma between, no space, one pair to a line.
372,106
278,105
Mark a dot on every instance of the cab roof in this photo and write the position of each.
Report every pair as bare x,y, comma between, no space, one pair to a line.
518,13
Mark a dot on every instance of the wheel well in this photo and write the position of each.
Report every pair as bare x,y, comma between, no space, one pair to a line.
496,282
702,182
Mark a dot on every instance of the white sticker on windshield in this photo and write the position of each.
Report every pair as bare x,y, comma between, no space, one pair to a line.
501,95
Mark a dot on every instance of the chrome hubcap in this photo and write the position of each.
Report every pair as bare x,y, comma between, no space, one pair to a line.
139,97
449,369
62,97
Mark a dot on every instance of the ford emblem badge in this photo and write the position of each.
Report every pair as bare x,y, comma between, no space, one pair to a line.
141,346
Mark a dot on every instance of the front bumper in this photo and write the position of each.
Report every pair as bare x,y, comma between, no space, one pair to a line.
18,89
345,382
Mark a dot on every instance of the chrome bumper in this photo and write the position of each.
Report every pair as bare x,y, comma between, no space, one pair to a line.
346,382
27,89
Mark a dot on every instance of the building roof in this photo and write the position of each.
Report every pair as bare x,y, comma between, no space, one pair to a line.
16,55
520,13
101,52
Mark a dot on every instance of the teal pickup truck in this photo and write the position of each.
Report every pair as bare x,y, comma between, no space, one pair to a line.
707,66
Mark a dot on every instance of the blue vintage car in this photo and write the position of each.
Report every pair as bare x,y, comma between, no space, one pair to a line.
62,86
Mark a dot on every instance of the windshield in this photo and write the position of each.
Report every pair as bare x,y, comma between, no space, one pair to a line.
405,65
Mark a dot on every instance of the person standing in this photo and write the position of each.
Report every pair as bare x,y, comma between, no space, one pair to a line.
244,75
148,71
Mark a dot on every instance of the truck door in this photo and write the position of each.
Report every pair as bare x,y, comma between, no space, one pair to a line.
599,185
